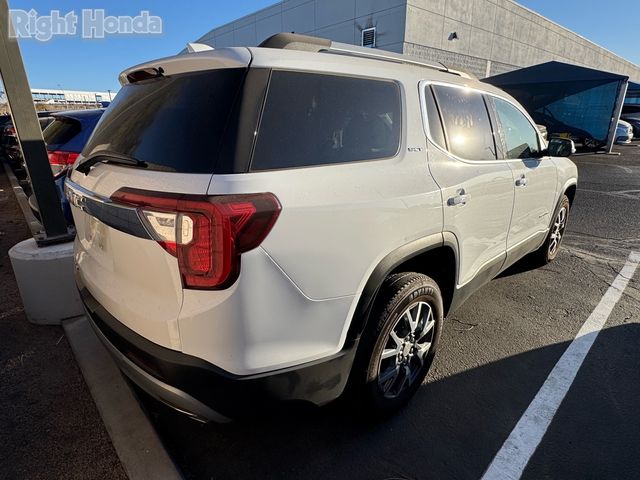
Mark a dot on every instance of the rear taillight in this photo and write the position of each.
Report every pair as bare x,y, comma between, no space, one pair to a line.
60,160
10,131
207,234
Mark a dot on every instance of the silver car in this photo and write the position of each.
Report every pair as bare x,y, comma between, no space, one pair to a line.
624,132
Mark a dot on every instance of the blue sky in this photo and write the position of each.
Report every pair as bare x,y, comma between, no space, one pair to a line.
74,63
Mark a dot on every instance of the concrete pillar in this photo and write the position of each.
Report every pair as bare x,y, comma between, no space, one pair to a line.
45,277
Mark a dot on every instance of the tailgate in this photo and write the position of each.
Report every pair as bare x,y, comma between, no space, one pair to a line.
134,278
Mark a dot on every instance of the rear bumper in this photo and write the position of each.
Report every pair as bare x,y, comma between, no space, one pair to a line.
204,391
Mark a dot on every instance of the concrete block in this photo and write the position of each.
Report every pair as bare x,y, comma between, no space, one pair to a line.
395,47
578,53
553,42
389,26
459,10
45,278
504,22
521,30
286,4
222,29
501,50
244,21
333,12
368,7
224,40
269,11
268,26
424,27
484,15
522,54
434,6
343,32
300,19
245,36
463,31
480,43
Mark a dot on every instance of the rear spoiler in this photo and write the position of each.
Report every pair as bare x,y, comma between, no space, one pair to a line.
193,62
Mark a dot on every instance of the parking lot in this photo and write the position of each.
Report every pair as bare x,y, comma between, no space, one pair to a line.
495,355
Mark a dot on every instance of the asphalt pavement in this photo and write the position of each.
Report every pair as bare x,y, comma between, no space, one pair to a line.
496,353
49,426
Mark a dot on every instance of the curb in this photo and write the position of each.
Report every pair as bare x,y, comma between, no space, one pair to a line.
136,442
23,201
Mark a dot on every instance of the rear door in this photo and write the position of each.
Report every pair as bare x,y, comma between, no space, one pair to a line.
534,180
477,187
165,134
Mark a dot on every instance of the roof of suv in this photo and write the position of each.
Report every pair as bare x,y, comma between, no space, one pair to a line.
300,52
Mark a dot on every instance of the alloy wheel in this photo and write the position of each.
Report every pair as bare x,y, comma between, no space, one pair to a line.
405,351
557,231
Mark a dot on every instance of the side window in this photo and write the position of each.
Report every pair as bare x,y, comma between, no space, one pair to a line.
433,117
466,123
520,136
315,119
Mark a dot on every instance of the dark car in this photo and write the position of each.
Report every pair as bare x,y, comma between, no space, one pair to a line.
65,137
634,120
9,145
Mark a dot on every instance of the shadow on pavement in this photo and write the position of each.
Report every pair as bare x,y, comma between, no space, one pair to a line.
451,429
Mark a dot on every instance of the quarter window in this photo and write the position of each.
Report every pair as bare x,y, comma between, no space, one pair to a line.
466,123
520,136
314,119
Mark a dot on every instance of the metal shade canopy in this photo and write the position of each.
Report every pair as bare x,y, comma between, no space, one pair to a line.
583,102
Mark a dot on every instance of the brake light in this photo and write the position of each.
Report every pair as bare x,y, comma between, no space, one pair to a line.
58,157
10,131
207,234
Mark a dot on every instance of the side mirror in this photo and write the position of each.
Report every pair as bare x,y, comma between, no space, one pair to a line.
561,147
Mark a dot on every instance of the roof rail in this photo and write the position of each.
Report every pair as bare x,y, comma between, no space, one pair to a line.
294,41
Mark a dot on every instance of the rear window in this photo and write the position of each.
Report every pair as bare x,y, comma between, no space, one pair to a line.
174,123
61,131
315,119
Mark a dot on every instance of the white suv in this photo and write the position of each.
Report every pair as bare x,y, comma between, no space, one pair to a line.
281,222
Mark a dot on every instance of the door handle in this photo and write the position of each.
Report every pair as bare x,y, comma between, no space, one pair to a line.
461,198
522,181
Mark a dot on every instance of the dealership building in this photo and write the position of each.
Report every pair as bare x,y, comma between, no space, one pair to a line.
482,37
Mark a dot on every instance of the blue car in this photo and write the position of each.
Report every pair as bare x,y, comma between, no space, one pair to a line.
65,137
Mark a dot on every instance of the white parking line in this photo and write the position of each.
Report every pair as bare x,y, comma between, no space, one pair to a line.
512,458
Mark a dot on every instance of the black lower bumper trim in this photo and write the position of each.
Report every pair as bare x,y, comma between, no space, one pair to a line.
231,395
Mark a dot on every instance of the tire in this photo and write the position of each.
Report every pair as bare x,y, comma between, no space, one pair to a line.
549,250
381,386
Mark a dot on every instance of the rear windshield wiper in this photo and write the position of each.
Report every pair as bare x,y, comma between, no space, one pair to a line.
109,157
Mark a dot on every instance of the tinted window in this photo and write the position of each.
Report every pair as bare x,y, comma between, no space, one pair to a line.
433,117
520,136
174,123
312,119
61,131
466,123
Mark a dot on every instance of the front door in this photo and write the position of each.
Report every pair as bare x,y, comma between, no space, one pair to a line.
534,180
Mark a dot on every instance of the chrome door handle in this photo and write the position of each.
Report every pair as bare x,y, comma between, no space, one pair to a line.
522,181
461,198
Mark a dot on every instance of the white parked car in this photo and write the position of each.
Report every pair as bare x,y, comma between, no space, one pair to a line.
281,222
624,132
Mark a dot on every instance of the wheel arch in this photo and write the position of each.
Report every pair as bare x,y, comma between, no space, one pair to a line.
435,256
570,192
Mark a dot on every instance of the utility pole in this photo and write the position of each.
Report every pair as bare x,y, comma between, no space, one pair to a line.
25,121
